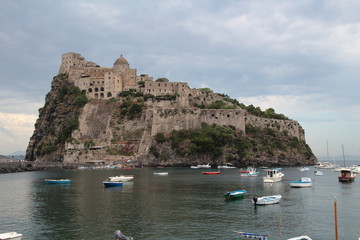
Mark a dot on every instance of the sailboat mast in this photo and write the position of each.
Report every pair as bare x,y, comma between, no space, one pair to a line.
327,150
343,153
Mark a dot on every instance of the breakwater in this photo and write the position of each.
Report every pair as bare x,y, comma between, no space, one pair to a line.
24,166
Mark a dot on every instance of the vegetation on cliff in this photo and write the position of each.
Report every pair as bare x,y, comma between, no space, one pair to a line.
57,119
219,144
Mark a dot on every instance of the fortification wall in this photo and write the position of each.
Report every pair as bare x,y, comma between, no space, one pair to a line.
293,128
167,120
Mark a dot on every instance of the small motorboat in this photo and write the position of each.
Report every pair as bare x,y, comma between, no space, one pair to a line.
300,238
301,183
57,181
122,178
226,166
346,175
318,173
10,236
202,166
304,169
266,200
161,173
211,173
235,194
273,175
113,183
252,235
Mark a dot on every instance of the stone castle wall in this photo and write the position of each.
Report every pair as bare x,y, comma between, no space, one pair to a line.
292,127
167,120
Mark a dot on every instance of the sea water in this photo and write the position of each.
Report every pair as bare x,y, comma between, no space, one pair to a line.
185,204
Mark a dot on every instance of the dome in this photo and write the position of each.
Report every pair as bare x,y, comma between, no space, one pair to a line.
121,61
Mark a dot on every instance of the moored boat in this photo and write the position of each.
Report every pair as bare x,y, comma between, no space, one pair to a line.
57,181
235,194
346,175
304,169
211,173
318,173
113,183
273,175
266,200
10,236
252,235
301,183
226,166
249,172
123,178
161,173
300,238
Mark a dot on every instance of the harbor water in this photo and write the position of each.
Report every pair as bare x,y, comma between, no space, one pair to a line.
185,204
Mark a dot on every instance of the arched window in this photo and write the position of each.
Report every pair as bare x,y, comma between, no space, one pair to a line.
96,89
102,89
101,95
90,90
109,94
96,95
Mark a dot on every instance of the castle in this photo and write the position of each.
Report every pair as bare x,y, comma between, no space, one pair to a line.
107,82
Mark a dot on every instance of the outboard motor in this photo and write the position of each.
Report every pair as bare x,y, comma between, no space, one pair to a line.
255,199
120,236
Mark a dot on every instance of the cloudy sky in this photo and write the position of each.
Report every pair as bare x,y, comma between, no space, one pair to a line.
300,57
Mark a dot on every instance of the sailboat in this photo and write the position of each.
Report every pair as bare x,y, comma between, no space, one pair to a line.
346,174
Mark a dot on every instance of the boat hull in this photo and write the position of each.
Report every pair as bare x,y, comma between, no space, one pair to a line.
11,236
300,185
271,179
113,184
267,200
210,173
235,195
346,179
59,181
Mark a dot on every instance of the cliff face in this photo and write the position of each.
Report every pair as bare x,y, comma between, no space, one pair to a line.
160,130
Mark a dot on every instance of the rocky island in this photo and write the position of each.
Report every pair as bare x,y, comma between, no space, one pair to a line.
109,114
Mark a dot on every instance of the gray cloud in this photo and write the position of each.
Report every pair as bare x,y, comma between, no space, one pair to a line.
245,49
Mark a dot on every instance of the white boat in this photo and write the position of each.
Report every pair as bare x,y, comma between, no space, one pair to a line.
318,173
355,168
161,173
304,169
252,235
273,175
249,172
10,236
204,166
226,166
121,178
266,200
300,238
325,165
301,183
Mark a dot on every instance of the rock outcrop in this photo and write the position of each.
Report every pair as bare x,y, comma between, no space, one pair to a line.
141,128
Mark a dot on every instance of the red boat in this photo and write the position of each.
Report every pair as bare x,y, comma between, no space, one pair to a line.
211,173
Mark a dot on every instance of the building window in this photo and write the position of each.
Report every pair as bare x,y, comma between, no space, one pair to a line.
102,89
96,89
90,90
109,94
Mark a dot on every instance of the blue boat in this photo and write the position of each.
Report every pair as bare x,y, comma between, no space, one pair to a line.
113,184
57,181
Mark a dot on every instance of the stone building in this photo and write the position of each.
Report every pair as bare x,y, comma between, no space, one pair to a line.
100,82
